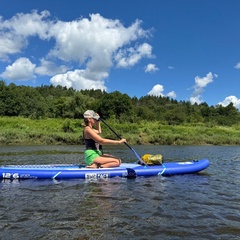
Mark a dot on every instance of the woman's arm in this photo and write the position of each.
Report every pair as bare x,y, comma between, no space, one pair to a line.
98,129
91,133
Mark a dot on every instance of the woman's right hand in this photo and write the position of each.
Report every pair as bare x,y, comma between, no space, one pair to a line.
123,140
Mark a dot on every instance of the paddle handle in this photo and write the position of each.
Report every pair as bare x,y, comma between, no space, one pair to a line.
114,132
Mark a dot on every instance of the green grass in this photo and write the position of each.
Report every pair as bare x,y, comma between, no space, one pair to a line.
17,130
25,131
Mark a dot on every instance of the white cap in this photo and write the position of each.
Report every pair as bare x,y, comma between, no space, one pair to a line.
91,114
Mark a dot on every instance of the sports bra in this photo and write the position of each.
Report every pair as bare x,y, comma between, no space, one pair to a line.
90,143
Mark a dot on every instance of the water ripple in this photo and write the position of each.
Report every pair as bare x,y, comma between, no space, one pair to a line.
198,206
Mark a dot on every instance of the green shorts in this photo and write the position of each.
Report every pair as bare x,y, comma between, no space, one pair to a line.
90,155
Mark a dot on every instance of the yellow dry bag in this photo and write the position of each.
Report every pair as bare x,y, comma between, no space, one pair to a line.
152,159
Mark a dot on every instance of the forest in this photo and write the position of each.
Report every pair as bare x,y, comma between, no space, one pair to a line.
60,102
144,120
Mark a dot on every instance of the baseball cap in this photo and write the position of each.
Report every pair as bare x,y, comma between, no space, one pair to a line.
91,114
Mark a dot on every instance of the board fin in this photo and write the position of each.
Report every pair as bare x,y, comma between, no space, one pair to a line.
131,173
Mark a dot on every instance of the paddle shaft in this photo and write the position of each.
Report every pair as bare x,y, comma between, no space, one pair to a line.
139,158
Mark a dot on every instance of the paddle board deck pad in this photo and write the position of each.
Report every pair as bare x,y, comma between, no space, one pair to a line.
61,171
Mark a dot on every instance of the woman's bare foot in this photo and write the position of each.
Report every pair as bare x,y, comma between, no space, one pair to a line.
94,165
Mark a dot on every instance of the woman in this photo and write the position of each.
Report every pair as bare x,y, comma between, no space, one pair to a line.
94,157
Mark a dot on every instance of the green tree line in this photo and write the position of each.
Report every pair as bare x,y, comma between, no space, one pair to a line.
48,101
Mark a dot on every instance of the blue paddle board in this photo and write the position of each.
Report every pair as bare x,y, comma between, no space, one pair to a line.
56,171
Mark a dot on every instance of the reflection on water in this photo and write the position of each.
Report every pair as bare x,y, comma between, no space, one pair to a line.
196,206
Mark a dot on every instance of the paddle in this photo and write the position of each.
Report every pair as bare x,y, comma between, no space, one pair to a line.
139,158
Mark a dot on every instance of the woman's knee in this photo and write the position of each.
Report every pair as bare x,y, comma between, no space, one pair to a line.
118,161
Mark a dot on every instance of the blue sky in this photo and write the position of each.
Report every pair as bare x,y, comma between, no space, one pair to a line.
188,50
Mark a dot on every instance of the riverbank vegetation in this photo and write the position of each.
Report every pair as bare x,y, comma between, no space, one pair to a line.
53,115
26,131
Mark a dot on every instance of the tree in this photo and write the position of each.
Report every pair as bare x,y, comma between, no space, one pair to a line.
228,115
175,116
115,103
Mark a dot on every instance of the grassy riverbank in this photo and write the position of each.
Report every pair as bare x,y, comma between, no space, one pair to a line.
25,131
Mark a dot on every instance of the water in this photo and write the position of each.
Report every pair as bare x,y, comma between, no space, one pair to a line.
196,206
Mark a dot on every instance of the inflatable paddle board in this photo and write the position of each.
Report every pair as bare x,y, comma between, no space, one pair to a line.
128,170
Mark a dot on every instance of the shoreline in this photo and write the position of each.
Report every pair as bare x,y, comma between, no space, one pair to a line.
24,131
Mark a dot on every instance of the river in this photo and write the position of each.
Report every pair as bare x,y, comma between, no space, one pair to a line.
195,206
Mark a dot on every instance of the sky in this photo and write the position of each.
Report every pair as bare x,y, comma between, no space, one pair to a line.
188,50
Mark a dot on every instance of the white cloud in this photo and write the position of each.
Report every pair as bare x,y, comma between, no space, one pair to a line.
157,91
95,44
49,68
14,32
29,24
237,66
10,44
171,67
151,68
196,99
24,69
21,69
78,80
200,84
85,39
231,99
129,57
172,94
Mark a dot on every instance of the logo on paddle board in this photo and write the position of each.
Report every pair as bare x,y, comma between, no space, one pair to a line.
10,175
96,176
